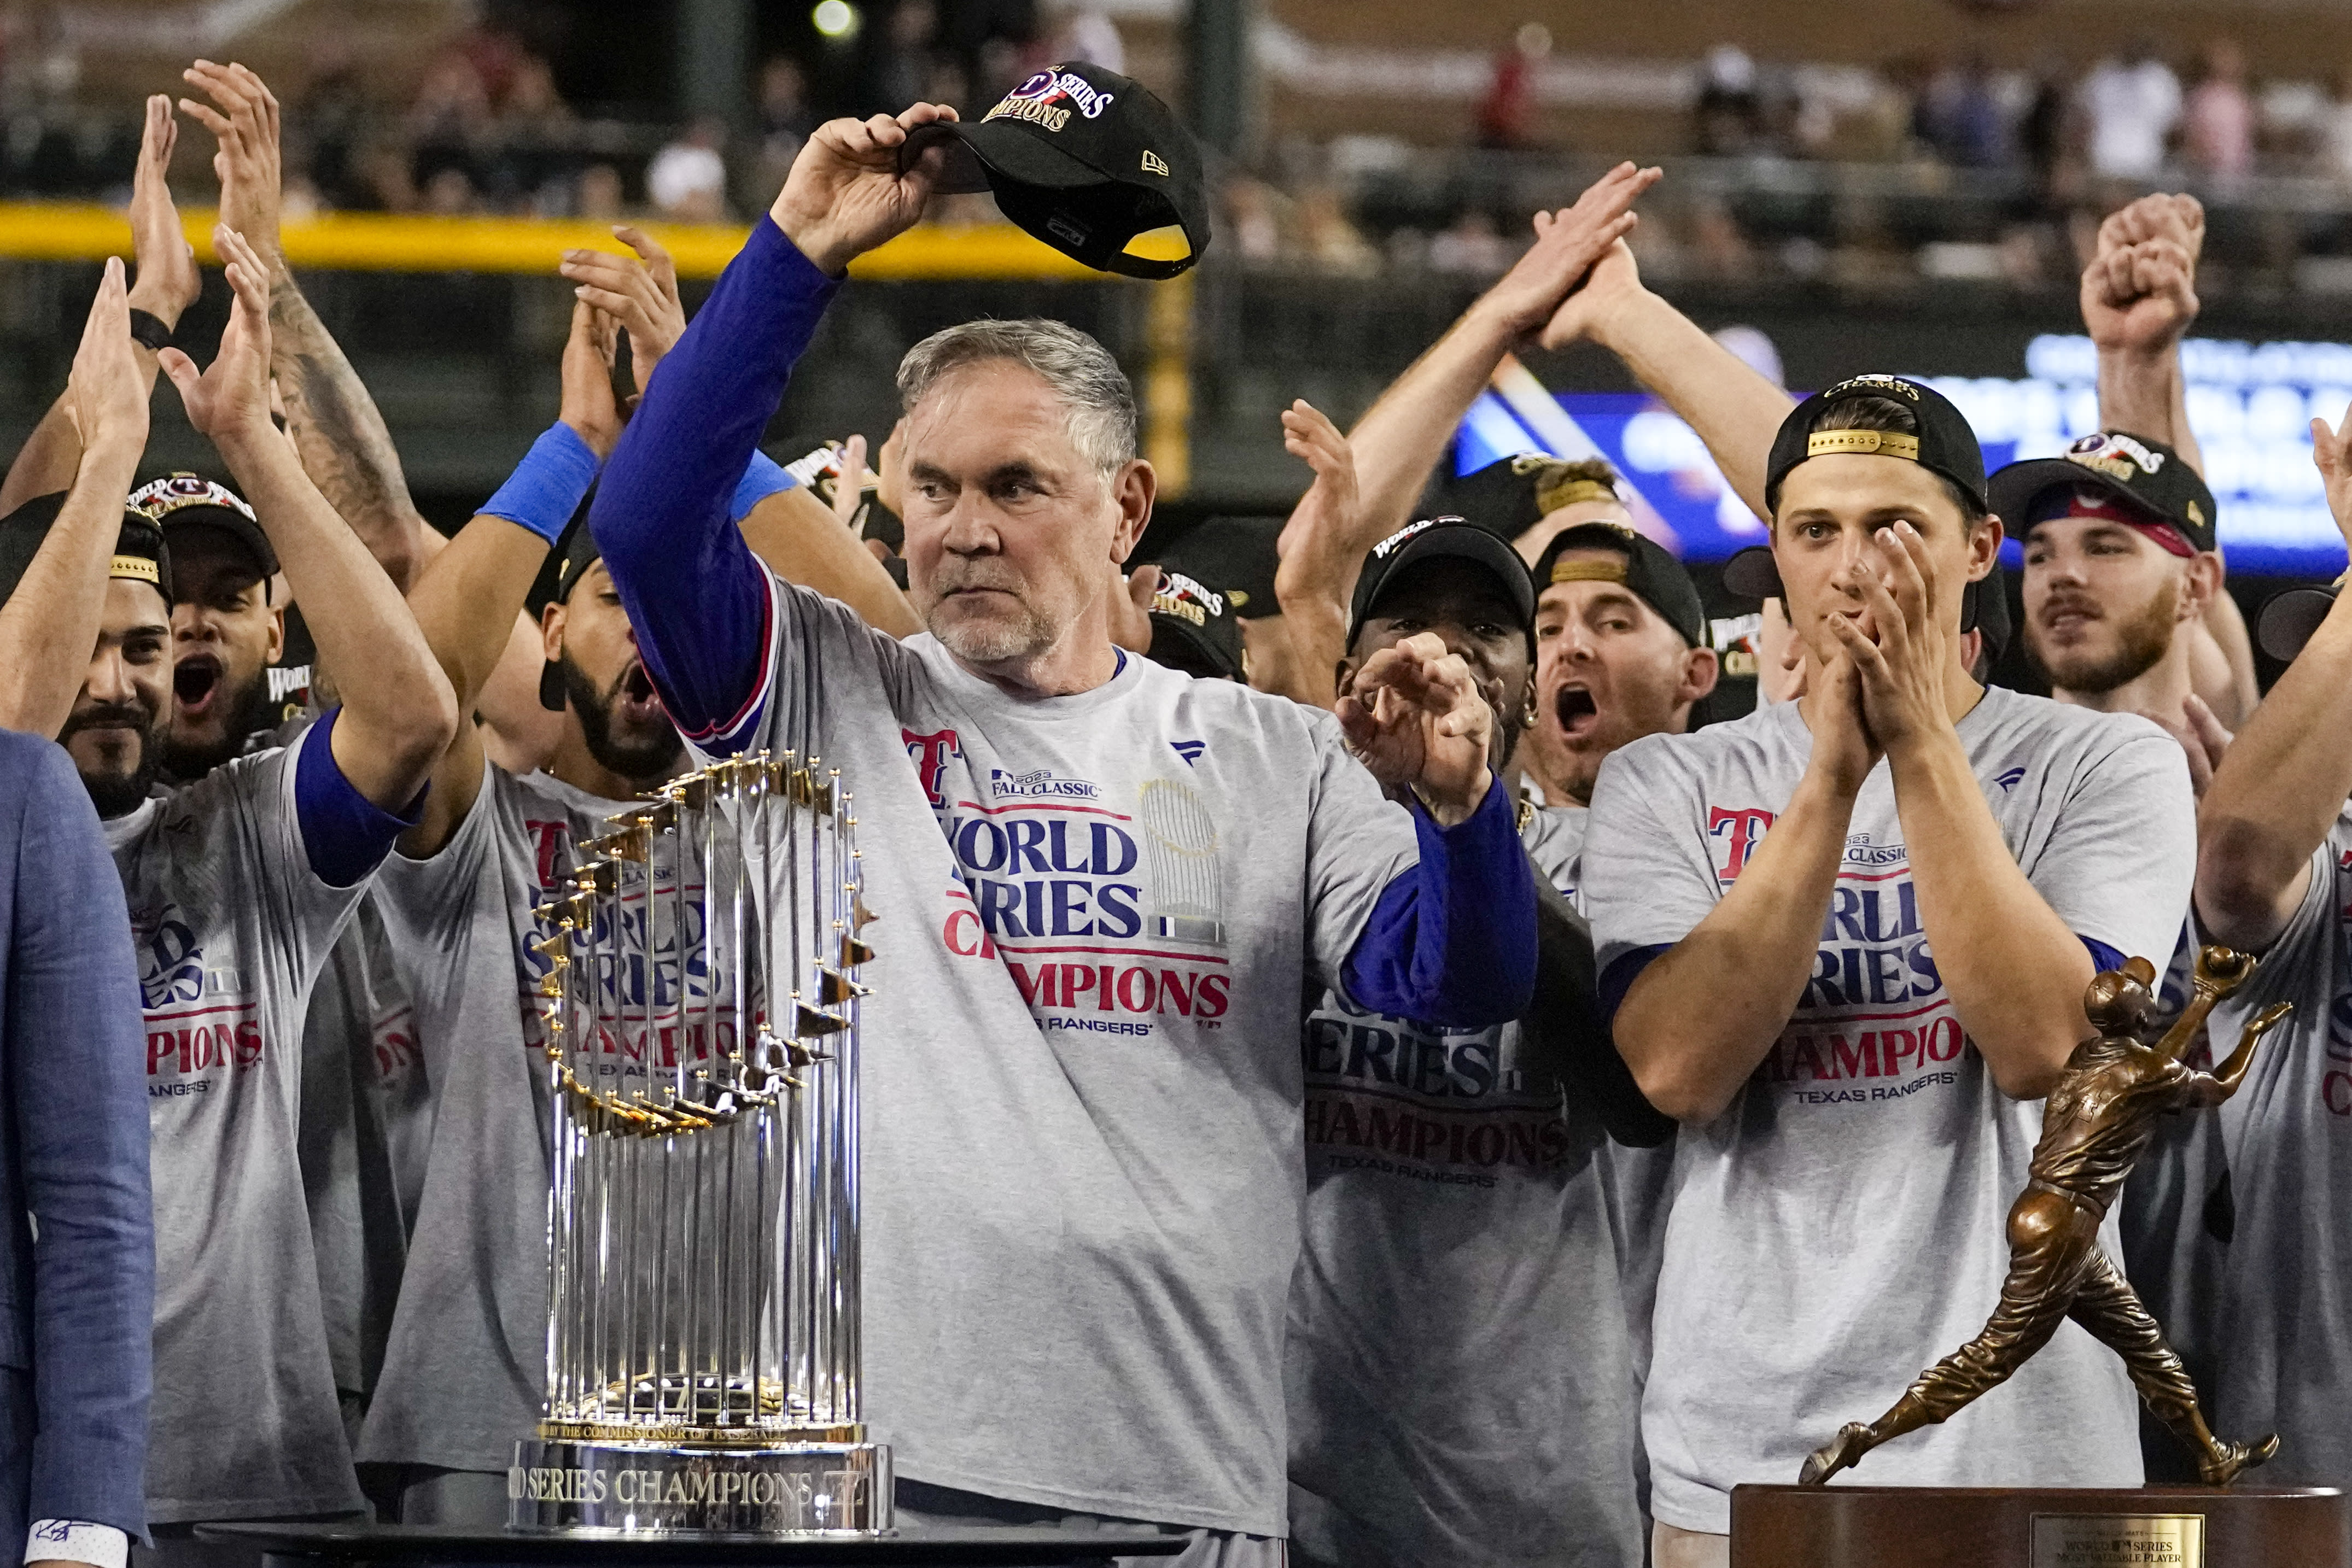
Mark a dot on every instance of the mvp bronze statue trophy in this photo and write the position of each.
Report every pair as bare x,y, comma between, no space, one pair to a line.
700,1011
2095,1124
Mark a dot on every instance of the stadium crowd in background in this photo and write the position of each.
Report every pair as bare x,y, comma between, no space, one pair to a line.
1531,982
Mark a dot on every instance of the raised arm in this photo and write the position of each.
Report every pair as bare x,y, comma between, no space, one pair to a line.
167,284
2289,771
345,448
397,720
698,599
1317,556
470,594
49,623
1400,438
1735,410
2138,299
802,541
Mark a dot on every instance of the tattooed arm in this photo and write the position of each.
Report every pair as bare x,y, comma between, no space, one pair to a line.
345,448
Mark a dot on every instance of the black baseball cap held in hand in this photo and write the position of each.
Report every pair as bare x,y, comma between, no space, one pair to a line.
1195,629
1396,555
1089,161
1648,571
1943,444
2146,475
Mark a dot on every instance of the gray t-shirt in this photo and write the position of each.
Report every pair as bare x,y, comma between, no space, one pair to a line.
464,1371
364,1113
2282,1338
1459,1381
1082,1087
1842,1225
231,926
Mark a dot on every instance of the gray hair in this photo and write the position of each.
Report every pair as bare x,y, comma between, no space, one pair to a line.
1081,371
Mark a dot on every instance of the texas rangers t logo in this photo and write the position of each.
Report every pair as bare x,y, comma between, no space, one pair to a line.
1741,828
931,754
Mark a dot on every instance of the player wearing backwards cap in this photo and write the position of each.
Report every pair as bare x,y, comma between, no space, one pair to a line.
2275,876
1458,1279
237,885
1847,939
1107,1011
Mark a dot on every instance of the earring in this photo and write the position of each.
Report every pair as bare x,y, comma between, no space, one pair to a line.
1528,712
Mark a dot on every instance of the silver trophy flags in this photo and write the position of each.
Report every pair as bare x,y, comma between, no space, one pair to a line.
700,1007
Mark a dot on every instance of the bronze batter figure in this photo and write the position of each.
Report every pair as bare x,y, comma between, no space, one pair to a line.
2094,1126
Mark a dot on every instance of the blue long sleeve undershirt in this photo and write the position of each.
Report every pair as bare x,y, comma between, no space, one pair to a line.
692,589
1452,941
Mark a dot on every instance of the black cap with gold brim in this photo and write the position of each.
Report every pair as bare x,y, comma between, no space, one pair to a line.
139,554
1646,568
1089,161
1942,442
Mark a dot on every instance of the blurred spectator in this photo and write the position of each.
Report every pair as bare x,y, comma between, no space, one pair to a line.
1730,109
785,117
1959,117
1470,246
600,193
2219,126
903,68
2131,105
2045,132
1088,34
2336,131
1251,227
1506,114
1329,241
1718,249
449,194
686,181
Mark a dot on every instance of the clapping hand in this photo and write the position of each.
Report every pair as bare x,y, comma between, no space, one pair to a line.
1568,243
1901,663
229,398
1318,550
168,282
845,193
243,119
106,395
2331,450
588,406
640,295
1415,716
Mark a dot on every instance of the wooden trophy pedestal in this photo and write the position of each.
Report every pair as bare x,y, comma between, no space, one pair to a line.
1954,1526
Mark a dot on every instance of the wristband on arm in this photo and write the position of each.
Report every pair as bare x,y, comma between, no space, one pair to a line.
547,485
763,477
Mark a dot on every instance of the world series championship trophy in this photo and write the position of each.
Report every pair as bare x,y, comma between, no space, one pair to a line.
702,1015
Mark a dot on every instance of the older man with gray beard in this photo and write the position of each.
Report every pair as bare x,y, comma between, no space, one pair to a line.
1102,884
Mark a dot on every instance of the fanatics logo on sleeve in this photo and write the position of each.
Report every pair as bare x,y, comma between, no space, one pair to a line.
1190,750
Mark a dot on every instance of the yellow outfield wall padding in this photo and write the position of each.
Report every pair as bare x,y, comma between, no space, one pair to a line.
387,241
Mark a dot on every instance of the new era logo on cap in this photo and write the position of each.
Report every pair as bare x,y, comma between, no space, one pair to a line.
1152,163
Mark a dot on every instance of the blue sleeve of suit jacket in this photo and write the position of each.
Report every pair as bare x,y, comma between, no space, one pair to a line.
70,1042
1453,942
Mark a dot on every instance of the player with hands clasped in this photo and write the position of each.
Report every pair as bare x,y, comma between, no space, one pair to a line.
2275,876
1111,876
1846,941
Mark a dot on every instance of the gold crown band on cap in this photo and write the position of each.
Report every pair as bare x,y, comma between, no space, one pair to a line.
1589,570
1569,492
1885,443
137,567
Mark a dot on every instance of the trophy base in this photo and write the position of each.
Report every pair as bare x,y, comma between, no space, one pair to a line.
655,1488
2031,1527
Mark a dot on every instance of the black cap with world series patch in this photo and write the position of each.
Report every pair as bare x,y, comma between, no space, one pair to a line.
1089,161
1430,540
2147,475
1194,629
